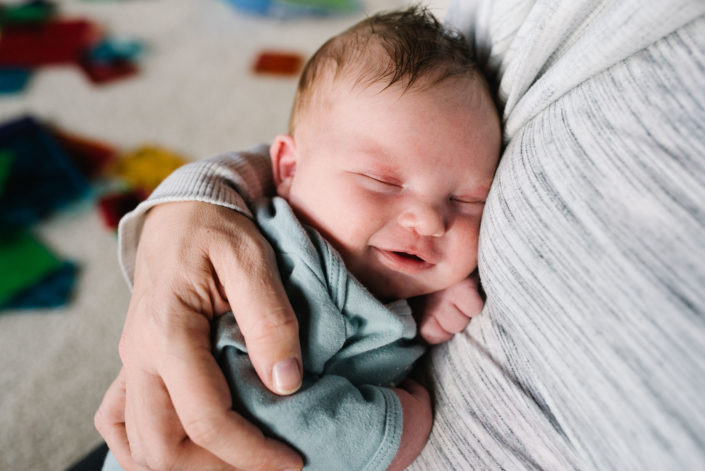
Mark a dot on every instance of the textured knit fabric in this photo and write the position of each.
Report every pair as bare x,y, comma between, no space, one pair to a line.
353,349
220,180
590,352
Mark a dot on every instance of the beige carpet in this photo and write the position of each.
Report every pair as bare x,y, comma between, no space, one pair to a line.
195,95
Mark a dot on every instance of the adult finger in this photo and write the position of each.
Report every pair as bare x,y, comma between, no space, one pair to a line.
261,308
203,403
153,429
109,420
156,439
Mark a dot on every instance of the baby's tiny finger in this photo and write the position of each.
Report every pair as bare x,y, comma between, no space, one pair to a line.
432,332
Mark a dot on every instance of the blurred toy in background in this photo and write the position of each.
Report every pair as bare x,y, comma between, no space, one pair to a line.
31,275
37,179
43,170
111,58
278,63
146,167
41,177
36,11
33,35
296,8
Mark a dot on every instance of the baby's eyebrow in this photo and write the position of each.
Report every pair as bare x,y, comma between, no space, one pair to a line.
376,156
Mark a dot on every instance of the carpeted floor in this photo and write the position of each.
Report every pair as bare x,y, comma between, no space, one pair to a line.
196,95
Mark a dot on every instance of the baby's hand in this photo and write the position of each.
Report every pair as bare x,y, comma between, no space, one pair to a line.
445,313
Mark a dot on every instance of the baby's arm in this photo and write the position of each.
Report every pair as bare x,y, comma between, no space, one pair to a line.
445,313
417,419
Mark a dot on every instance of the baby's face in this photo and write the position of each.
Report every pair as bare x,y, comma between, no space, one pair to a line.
395,181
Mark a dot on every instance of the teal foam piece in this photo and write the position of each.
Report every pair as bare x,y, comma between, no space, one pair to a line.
296,8
111,50
13,80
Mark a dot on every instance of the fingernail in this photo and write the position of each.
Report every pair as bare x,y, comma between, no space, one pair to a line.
287,376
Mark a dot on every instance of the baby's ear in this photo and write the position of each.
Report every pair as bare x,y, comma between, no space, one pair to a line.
284,156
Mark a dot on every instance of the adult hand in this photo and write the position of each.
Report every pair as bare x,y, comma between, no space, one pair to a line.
170,407
445,313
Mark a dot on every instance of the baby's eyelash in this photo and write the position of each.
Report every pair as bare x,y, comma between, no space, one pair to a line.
466,201
381,180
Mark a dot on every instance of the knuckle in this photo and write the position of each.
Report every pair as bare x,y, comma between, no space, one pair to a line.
99,421
202,430
123,350
158,458
273,326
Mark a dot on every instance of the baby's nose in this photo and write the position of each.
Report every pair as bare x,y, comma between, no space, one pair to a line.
424,219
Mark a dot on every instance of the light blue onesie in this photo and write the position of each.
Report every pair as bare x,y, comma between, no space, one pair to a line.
354,349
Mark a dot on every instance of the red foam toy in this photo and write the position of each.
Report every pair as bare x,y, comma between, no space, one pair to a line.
100,73
53,42
278,63
115,205
92,157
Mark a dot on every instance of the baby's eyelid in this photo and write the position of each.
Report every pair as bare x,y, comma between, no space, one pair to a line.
383,180
464,200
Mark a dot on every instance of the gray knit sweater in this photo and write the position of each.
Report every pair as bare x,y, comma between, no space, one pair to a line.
590,352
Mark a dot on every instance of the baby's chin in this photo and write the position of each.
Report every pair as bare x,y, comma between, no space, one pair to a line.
387,291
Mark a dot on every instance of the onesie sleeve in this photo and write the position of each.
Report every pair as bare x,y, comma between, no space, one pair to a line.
333,423
231,180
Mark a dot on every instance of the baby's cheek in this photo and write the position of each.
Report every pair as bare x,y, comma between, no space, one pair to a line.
462,247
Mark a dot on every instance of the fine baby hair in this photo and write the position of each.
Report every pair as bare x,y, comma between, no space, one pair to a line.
409,47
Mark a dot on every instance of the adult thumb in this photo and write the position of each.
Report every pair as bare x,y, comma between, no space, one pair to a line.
251,283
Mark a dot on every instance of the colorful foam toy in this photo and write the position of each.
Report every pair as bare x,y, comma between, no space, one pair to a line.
296,8
24,262
91,157
111,58
41,177
113,206
51,43
13,79
53,290
278,63
146,167
31,12
34,36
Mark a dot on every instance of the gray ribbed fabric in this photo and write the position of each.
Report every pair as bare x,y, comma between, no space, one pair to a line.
590,353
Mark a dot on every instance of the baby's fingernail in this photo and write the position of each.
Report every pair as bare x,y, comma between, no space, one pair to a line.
287,376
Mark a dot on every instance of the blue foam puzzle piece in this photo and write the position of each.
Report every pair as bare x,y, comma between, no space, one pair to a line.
296,8
111,50
52,291
42,179
13,80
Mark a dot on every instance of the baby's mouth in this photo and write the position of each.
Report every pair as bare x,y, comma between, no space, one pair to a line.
401,261
409,256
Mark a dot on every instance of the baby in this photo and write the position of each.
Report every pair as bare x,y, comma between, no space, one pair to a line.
392,146
393,143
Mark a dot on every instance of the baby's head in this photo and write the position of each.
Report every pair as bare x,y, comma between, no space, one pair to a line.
392,146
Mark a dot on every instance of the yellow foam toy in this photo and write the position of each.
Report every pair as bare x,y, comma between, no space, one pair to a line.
147,166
